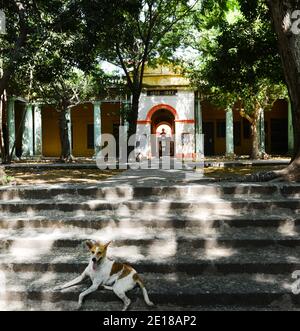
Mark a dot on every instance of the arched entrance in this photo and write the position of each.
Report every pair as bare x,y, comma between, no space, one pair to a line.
163,126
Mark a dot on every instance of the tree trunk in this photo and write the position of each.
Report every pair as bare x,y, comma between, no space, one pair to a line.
255,135
64,137
8,70
134,114
296,124
133,117
4,82
289,47
255,153
3,150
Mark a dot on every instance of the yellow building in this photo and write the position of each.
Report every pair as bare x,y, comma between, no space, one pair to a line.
167,102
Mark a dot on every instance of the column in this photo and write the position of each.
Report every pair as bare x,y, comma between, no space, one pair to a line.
229,132
11,125
2,22
97,127
27,139
198,127
291,128
262,132
38,140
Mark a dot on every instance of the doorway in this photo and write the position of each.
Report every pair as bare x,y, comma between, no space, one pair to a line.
163,127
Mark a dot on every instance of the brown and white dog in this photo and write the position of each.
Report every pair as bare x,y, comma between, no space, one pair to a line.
113,276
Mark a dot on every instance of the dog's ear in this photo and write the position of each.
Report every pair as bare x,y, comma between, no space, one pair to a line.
89,244
106,245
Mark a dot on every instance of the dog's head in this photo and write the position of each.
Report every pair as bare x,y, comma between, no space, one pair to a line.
98,251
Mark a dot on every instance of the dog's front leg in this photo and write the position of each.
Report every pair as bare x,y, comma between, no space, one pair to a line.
92,289
74,282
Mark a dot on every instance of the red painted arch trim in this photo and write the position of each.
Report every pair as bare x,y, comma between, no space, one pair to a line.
177,121
143,122
162,106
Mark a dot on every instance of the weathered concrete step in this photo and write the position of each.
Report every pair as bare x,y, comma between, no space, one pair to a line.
158,259
176,289
129,192
95,221
160,207
137,305
287,235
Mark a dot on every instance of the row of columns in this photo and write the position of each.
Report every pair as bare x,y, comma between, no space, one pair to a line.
32,133
32,130
230,129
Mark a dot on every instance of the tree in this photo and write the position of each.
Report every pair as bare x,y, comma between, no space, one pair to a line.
57,78
141,32
54,44
63,91
241,63
12,52
30,23
285,15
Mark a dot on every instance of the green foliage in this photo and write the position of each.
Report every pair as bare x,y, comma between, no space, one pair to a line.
241,60
59,63
35,30
140,31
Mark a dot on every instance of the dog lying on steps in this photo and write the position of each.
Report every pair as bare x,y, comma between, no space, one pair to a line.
113,276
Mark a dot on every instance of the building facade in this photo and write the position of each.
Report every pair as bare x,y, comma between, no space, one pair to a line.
168,107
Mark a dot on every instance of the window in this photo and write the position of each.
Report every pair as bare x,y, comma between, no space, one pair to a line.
247,129
221,129
90,136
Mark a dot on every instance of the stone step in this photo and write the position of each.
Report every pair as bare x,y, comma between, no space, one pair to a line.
197,246
107,192
158,258
287,235
95,221
159,207
138,305
259,290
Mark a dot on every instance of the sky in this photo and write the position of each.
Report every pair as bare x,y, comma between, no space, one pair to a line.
110,68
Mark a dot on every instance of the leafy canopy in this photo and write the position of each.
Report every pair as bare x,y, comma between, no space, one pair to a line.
239,55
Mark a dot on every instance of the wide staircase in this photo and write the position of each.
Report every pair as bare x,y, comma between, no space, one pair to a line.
197,247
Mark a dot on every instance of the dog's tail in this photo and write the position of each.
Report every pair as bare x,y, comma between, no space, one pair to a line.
138,280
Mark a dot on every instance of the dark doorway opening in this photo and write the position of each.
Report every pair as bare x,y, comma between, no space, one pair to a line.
279,136
209,138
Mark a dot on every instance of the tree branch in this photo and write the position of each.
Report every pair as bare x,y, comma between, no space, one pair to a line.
129,80
246,116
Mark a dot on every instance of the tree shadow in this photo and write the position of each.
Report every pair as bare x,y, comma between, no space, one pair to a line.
198,245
